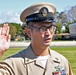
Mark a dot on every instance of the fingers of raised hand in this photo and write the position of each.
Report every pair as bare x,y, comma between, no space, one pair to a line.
4,36
4,30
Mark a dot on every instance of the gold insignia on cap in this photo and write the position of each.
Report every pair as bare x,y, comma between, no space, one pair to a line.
44,11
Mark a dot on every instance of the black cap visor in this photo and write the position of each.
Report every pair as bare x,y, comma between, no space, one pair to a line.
40,18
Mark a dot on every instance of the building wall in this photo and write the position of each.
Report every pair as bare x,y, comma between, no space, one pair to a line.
72,29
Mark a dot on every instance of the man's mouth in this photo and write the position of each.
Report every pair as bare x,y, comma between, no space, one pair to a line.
47,39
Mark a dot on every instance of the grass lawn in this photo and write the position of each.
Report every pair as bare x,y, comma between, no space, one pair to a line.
68,52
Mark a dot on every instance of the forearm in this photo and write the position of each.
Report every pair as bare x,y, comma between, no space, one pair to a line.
1,53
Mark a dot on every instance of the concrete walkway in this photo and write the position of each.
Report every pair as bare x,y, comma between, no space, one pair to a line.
64,43
55,43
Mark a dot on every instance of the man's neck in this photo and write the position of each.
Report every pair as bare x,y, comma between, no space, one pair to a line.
40,51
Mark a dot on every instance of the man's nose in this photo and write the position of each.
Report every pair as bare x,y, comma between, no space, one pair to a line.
48,32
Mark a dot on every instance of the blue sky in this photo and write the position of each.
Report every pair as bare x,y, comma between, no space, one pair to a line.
11,9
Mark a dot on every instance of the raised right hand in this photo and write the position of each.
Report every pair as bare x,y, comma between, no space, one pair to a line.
4,39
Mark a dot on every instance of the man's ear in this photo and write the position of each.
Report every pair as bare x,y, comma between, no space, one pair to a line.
28,32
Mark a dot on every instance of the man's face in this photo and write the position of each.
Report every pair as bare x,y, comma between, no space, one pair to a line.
42,33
